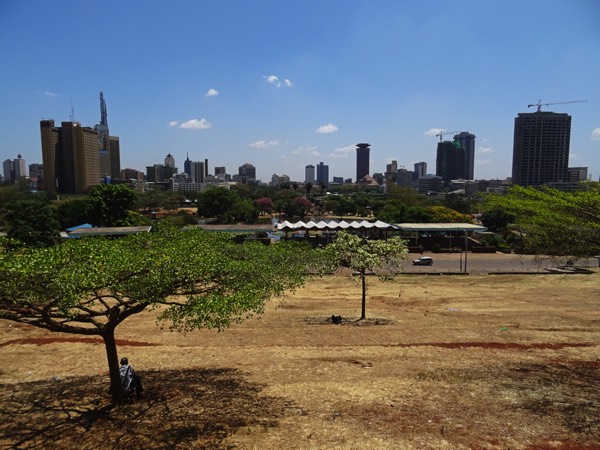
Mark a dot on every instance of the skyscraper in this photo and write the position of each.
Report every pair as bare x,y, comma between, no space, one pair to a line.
541,148
14,169
247,172
420,170
197,171
363,152
309,174
71,157
323,173
450,161
467,142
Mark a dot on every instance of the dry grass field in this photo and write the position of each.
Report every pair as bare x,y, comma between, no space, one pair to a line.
443,362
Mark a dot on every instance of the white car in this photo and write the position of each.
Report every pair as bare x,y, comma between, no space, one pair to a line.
423,261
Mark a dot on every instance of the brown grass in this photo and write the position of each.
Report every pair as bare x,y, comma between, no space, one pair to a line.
480,362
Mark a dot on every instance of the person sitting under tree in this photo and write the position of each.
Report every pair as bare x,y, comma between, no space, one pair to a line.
130,380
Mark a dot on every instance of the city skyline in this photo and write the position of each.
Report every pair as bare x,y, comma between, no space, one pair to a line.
282,86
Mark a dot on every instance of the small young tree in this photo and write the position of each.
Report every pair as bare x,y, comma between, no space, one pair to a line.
90,286
362,255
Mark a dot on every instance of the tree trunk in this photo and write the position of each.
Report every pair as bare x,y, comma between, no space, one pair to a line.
364,295
113,365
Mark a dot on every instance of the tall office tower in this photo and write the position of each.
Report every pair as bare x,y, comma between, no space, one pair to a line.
362,160
206,168
391,172
420,170
541,148
109,153
14,169
309,174
8,167
71,157
115,157
450,161
197,171
467,142
170,160
323,174
187,164
247,172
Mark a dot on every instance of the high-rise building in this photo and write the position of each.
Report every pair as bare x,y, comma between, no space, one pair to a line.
71,157
391,172
450,161
109,153
363,152
420,170
186,164
541,148
467,142
197,171
247,173
309,174
170,160
14,169
323,174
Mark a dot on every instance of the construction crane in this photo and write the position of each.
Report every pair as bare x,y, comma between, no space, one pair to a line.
539,104
442,133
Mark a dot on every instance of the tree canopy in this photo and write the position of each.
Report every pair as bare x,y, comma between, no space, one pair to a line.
33,222
552,222
110,204
362,255
89,286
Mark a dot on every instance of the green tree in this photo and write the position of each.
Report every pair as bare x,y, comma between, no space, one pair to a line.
110,204
553,222
443,214
73,211
497,219
90,286
361,255
395,211
215,202
33,222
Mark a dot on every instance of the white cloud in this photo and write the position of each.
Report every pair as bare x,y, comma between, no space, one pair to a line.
196,124
172,123
311,151
342,152
274,80
482,162
485,150
262,144
434,131
596,134
211,93
328,128
50,94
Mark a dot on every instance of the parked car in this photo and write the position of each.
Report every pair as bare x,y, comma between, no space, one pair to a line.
423,261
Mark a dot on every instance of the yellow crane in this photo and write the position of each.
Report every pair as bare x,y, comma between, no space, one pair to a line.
539,104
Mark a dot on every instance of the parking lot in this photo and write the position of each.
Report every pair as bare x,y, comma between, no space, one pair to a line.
486,263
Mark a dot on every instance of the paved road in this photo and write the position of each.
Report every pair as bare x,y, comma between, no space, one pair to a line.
483,263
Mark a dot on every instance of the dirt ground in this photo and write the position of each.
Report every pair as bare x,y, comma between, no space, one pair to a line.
443,362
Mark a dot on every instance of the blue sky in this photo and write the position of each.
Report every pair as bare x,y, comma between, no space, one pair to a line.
284,84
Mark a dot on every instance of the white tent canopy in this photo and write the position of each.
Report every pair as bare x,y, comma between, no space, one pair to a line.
332,225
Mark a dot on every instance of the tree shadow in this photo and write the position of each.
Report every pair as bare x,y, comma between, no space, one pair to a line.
181,408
